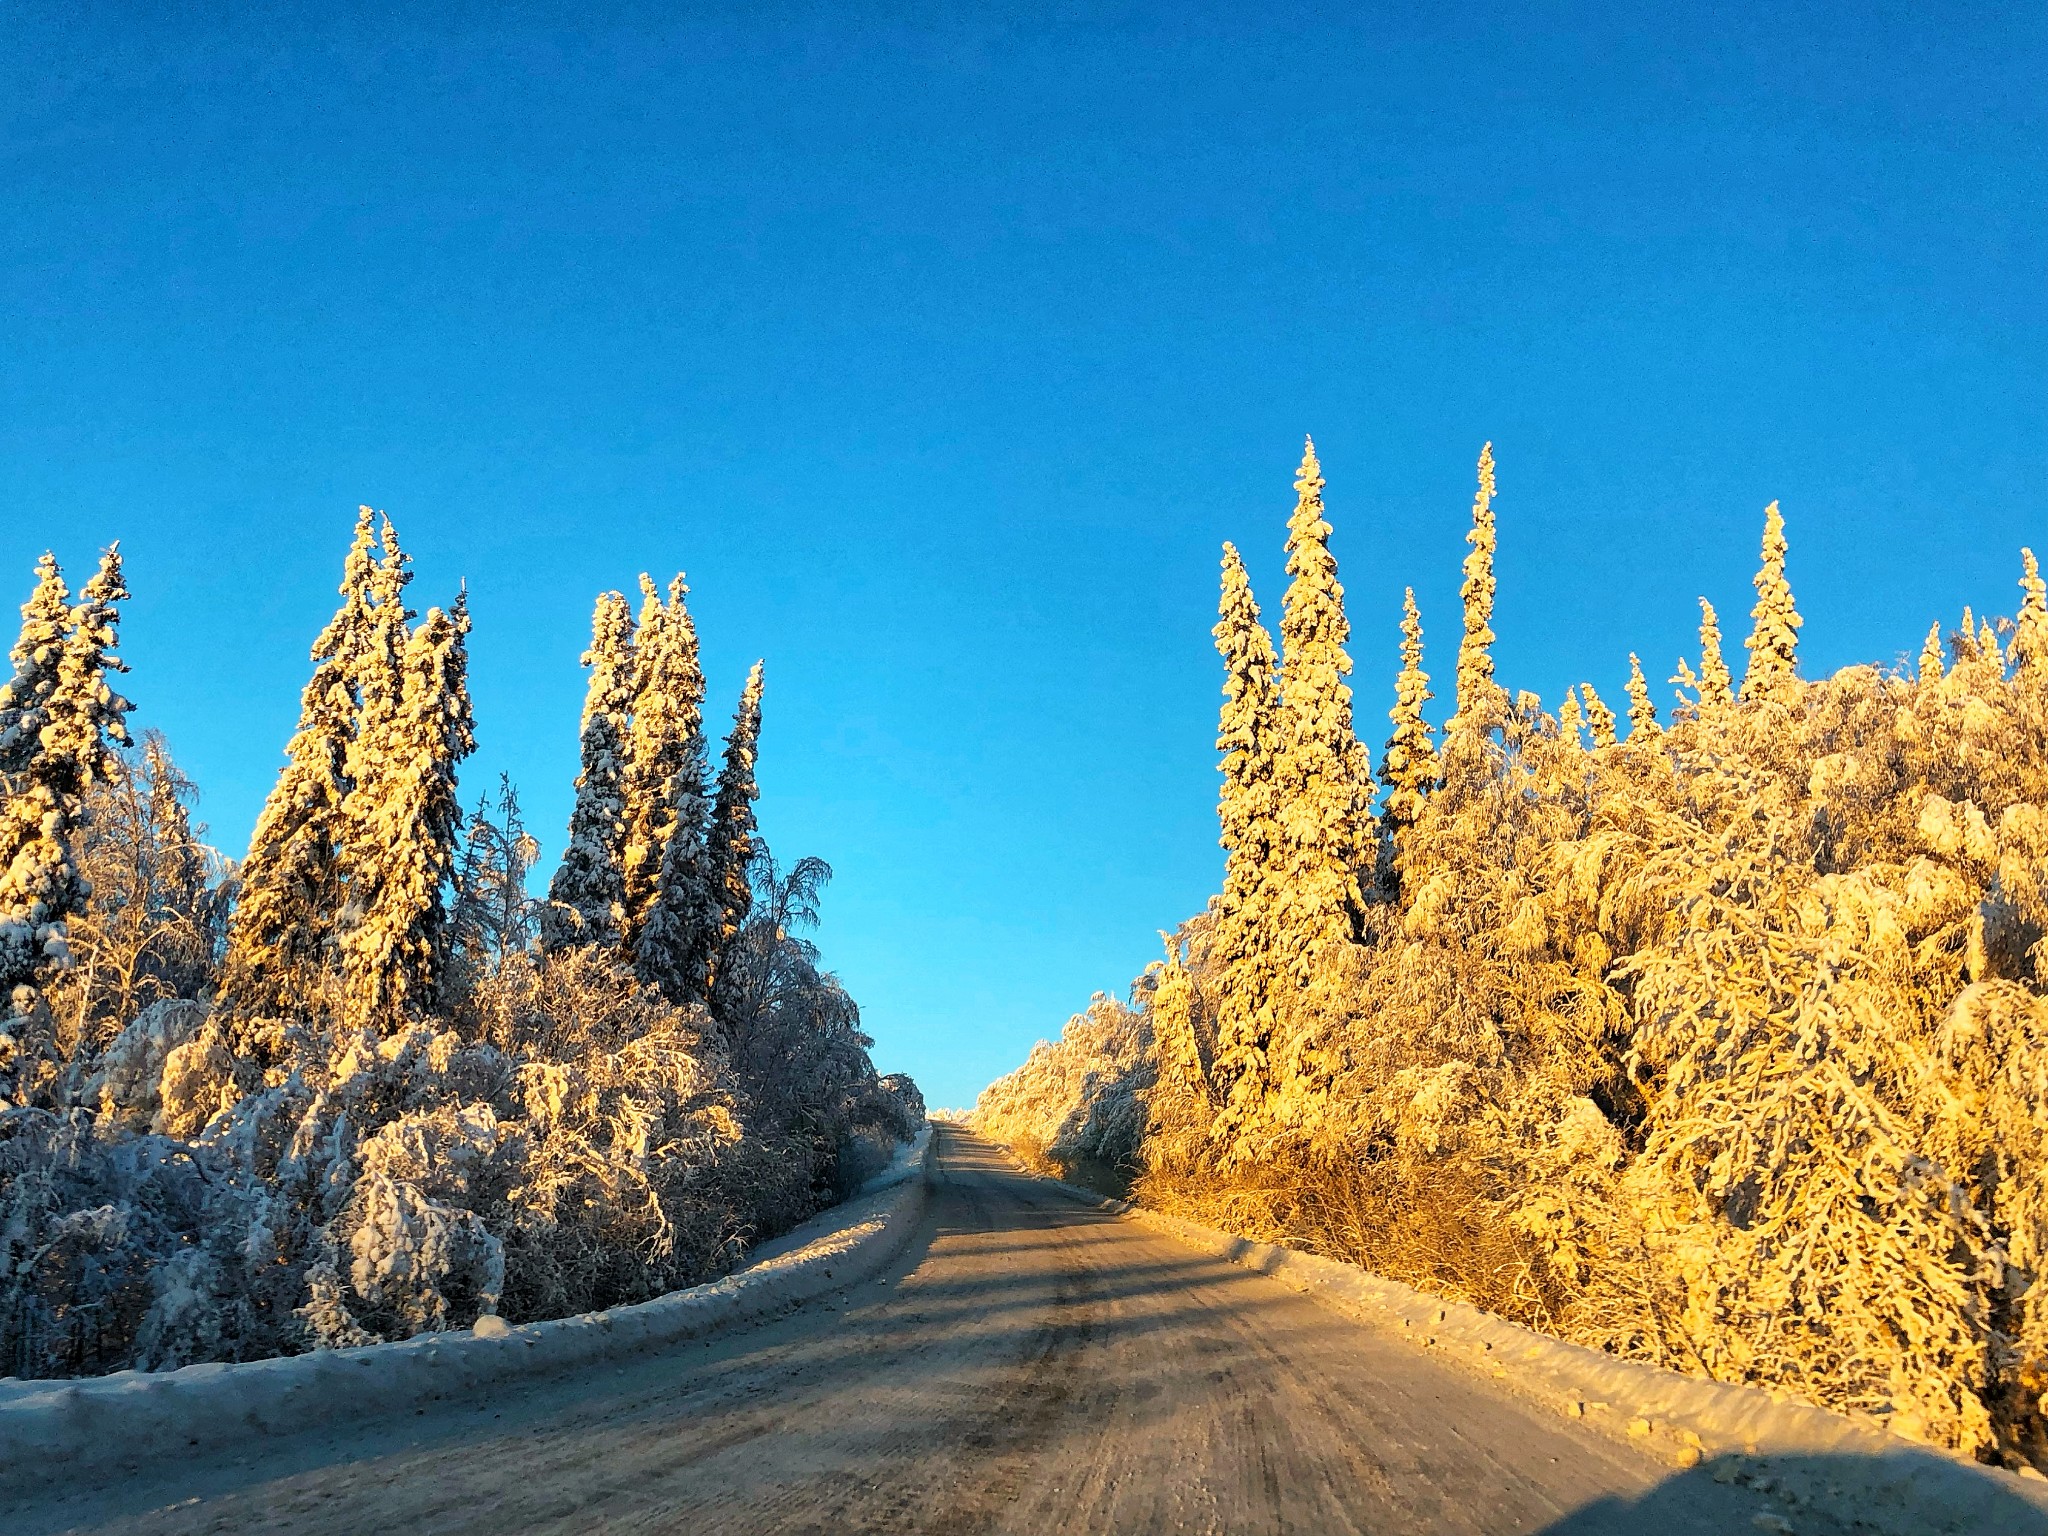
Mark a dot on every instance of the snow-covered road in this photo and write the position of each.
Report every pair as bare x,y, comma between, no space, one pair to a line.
1027,1365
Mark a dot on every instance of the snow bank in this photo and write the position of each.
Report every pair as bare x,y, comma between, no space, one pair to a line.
108,1424
1762,1438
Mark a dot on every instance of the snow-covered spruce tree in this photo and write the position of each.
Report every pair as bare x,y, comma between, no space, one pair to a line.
280,938
404,816
1248,744
1773,642
679,943
1599,718
666,740
730,837
1930,654
45,620
1642,714
1408,767
1174,1023
587,897
2030,629
1716,682
43,816
1481,702
1569,720
1322,782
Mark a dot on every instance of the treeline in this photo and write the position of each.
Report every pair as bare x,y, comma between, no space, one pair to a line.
365,1085
1720,1043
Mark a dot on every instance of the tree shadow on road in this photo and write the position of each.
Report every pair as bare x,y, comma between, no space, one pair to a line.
1902,1493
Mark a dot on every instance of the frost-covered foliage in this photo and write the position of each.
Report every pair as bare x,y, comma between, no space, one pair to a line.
1081,1098
370,1103
1722,1044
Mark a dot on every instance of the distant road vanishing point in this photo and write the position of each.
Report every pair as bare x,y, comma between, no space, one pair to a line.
1029,1364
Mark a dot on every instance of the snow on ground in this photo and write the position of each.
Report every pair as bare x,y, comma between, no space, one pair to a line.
119,1422
1767,1440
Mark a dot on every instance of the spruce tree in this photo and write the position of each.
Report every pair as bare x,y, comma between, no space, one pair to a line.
1248,739
1481,701
1717,684
1930,654
1569,720
1323,784
1599,718
291,896
45,619
1173,1024
680,941
668,722
43,816
2030,633
1642,714
587,897
732,812
731,833
1409,765
406,814
1773,642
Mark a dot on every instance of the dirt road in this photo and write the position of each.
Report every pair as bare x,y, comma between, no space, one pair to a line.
1029,1365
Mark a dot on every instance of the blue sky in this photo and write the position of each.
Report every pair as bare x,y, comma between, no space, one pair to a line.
943,349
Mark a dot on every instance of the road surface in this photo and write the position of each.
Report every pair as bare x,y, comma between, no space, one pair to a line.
1028,1365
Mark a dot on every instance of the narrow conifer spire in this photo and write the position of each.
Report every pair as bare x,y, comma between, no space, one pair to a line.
1931,667
1408,767
80,719
1481,701
408,817
2030,634
291,895
1173,1023
587,897
1642,714
1987,645
37,654
731,837
668,720
1322,781
1599,718
1569,720
1716,682
1773,642
1248,743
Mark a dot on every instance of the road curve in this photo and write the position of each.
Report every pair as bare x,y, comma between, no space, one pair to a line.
1028,1365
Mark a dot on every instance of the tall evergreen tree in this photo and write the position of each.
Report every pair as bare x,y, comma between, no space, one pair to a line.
408,815
1409,765
1569,720
42,817
1717,683
731,835
291,896
587,897
1599,718
680,941
1248,739
666,738
1173,1024
45,619
1773,642
1930,654
1642,714
1323,785
2030,633
1481,701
